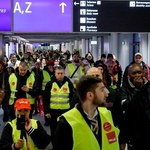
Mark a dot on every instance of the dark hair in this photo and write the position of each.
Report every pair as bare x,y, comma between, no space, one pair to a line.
87,83
103,56
110,55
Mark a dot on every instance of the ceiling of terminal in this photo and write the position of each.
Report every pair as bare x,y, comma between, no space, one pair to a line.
53,37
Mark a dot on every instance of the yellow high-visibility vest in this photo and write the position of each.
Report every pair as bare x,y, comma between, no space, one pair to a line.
13,86
84,138
60,96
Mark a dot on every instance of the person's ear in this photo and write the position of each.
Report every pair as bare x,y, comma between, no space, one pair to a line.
90,95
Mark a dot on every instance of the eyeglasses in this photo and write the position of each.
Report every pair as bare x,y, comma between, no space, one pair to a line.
96,75
136,72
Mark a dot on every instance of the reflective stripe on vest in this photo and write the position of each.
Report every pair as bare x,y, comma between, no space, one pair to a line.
60,96
84,138
13,86
72,68
46,78
16,134
77,75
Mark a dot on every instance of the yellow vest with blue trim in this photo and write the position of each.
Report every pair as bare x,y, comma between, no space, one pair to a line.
13,86
84,138
46,78
16,134
60,96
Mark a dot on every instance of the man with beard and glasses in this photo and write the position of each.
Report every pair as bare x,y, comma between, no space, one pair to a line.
133,110
87,126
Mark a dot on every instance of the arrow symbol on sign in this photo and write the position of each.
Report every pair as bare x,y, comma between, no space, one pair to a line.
63,5
75,3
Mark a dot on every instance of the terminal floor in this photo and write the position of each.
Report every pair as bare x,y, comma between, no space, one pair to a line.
38,117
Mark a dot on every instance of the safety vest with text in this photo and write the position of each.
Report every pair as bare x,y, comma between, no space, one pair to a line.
60,96
13,88
84,138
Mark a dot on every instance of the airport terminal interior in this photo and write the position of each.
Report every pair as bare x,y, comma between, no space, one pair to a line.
98,27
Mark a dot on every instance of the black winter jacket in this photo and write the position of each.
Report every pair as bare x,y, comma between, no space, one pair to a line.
133,115
39,136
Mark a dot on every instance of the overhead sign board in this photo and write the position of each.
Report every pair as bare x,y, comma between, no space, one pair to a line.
5,16
43,16
111,16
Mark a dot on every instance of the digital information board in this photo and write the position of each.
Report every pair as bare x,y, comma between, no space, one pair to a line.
5,16
43,16
111,16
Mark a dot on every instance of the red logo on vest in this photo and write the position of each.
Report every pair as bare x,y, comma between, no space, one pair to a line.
107,126
54,89
13,83
64,89
30,84
111,137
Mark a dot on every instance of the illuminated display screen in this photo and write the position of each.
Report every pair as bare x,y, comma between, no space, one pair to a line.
5,16
111,16
43,16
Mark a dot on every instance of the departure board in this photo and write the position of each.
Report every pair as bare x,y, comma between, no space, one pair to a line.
5,16
42,16
111,16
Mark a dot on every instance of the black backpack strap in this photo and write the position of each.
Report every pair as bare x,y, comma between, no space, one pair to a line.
74,72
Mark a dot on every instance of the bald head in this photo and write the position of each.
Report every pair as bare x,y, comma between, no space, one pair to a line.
134,68
93,71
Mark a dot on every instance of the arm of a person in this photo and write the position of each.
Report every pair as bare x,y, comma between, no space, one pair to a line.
118,117
72,90
6,140
119,76
7,93
39,136
34,90
63,136
46,97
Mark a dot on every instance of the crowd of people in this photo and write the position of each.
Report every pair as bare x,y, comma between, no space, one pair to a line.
87,104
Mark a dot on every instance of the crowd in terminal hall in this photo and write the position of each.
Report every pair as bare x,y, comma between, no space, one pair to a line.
87,104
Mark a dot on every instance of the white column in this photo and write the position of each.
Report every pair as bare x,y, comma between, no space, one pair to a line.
99,47
17,48
87,46
70,47
83,48
94,49
11,48
114,44
76,44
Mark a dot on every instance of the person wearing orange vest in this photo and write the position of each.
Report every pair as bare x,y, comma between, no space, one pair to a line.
57,97
23,133
87,126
